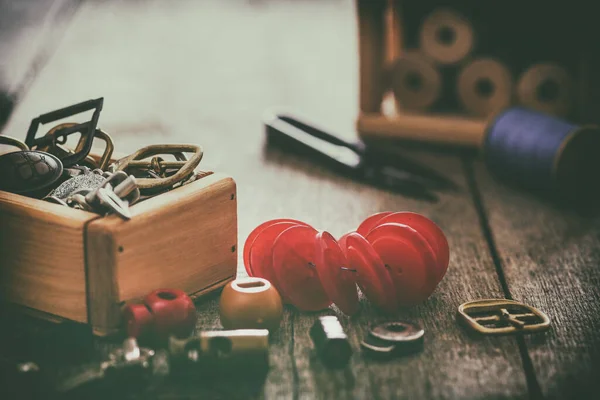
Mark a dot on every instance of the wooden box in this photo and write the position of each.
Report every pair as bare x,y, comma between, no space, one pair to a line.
513,34
65,263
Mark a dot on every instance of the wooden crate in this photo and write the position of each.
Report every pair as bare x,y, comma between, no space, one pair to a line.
387,30
63,263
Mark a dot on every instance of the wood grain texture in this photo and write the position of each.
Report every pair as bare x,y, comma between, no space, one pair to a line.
204,72
36,270
550,258
453,364
101,279
185,238
371,42
456,131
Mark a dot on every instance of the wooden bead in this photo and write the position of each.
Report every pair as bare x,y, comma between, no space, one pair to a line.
250,303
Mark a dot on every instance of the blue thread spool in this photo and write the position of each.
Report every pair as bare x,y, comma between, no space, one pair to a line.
543,153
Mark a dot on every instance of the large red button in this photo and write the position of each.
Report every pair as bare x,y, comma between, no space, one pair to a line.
371,222
338,280
409,259
430,231
261,254
294,262
372,277
254,234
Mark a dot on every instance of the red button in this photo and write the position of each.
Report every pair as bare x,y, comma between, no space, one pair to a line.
430,231
338,280
294,263
261,256
372,277
253,235
371,222
409,259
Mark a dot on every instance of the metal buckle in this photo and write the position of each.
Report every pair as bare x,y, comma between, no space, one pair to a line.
58,135
167,173
502,317
63,152
11,141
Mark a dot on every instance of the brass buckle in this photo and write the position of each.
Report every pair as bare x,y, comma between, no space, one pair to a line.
11,141
502,317
58,135
55,146
166,173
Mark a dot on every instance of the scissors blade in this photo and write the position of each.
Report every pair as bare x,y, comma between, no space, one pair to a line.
395,164
400,182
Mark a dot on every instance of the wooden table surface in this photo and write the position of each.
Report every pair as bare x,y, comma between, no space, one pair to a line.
205,72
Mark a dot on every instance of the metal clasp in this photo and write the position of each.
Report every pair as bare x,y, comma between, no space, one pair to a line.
54,146
58,135
166,173
502,317
11,141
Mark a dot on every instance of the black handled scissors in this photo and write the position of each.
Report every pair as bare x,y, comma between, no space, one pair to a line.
354,159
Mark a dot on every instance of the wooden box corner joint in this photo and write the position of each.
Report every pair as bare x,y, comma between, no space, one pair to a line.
63,263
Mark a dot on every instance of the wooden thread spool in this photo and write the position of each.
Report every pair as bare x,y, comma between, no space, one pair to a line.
416,83
447,36
546,87
485,87
456,131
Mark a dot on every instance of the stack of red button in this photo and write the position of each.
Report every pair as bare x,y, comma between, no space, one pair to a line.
396,258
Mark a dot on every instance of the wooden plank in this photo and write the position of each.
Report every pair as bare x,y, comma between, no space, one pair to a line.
549,256
37,269
453,364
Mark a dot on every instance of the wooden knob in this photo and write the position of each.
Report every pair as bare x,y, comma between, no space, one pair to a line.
250,303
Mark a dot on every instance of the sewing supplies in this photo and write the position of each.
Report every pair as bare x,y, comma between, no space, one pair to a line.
484,87
356,160
396,258
115,194
543,153
51,142
331,342
415,81
48,169
502,317
547,88
393,339
244,352
27,172
163,174
250,303
163,313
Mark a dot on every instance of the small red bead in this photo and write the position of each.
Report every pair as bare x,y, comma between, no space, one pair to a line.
173,311
138,320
